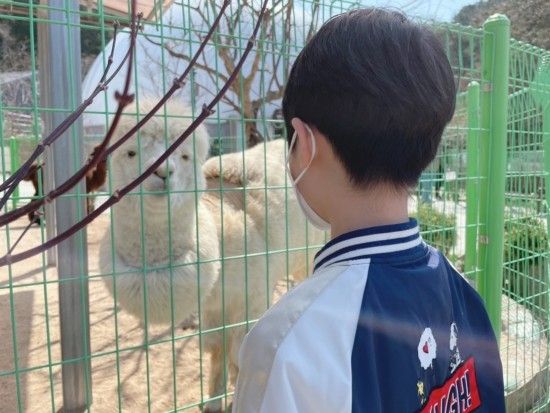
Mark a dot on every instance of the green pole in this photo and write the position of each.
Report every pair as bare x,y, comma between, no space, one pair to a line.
494,111
472,182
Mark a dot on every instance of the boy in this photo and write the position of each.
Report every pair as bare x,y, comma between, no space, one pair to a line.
385,323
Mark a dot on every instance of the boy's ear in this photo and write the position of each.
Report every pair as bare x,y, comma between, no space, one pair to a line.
303,148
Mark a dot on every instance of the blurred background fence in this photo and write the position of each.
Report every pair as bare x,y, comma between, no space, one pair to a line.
483,201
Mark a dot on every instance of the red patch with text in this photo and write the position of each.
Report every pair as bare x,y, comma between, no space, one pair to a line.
458,394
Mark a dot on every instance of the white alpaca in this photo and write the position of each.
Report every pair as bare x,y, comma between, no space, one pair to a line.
263,221
244,226
144,231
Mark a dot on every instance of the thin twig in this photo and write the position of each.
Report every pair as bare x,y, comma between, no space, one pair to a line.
124,99
314,17
247,81
177,84
185,57
13,181
207,110
110,59
101,153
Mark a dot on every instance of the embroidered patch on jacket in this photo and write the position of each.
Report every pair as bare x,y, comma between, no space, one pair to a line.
458,394
427,349
456,360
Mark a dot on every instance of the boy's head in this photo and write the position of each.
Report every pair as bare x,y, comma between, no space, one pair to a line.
379,88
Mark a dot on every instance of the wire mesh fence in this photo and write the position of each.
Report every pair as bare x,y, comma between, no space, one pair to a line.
526,277
449,201
442,191
180,268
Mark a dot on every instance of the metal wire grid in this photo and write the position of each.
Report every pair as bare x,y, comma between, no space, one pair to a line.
129,362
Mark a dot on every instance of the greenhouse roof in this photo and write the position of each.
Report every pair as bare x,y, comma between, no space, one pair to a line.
115,8
149,8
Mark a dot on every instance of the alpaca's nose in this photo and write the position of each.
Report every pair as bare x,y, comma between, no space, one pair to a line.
164,172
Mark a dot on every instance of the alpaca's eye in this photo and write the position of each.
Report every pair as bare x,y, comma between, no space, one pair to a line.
185,157
131,154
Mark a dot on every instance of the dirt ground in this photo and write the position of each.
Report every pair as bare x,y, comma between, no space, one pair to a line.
126,376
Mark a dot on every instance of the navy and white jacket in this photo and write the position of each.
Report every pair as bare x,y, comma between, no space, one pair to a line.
384,324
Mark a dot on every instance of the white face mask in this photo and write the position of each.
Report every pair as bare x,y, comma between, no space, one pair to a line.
310,214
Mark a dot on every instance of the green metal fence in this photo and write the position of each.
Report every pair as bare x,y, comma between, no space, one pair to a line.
526,277
493,190
484,202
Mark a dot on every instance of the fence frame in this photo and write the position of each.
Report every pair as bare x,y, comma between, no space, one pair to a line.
62,90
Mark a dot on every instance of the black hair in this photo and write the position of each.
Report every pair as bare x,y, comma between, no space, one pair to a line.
380,88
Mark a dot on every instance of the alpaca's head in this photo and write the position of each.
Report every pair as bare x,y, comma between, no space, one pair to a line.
176,178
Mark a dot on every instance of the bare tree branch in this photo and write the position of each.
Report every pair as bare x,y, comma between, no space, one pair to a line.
269,97
9,185
227,47
314,16
225,98
257,58
119,193
123,100
187,58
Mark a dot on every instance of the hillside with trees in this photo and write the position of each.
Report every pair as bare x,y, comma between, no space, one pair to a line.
530,18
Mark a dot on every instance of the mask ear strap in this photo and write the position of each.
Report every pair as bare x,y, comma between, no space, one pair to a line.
314,151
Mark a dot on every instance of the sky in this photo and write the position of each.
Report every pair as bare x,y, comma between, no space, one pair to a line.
442,10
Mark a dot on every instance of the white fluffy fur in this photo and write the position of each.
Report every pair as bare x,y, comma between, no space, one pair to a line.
236,224
126,261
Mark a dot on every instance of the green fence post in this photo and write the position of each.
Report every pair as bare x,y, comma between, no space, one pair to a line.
62,92
472,182
494,115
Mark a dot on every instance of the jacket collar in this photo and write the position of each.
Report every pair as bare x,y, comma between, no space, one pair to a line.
369,243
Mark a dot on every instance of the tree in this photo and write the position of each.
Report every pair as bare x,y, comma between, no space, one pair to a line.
261,81
15,41
15,55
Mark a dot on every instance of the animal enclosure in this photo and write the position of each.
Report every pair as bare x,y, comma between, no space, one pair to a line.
147,311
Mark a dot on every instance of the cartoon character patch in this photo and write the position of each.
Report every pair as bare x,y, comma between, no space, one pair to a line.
456,360
427,349
458,394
